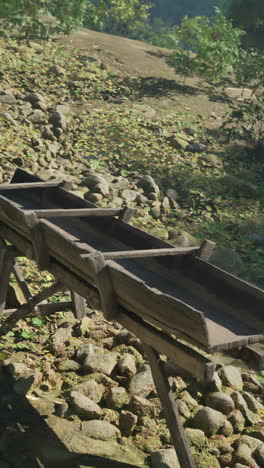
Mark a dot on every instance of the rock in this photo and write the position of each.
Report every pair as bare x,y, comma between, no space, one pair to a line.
186,240
220,401
256,431
7,99
142,406
216,383
243,455
6,116
69,366
129,195
172,194
117,398
160,232
238,93
127,365
148,184
57,70
240,402
121,183
196,438
141,200
63,109
34,97
213,160
104,363
253,404
142,383
205,460
93,197
155,212
61,338
127,422
189,400
227,429
85,351
47,133
195,148
183,409
251,442
165,458
208,420
91,389
101,430
37,116
178,143
227,259
237,420
57,119
36,46
96,184
17,370
231,377
259,455
84,407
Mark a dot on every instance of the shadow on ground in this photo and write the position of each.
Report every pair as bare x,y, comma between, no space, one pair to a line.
27,441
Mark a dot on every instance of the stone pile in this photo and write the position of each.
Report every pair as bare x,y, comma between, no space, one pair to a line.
105,392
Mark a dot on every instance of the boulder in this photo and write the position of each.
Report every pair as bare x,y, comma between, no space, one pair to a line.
165,458
101,430
148,184
117,398
90,389
142,383
208,420
104,363
127,365
127,422
84,407
196,438
237,420
220,401
259,454
243,455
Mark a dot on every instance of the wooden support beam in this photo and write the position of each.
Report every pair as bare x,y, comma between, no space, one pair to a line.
7,261
31,185
78,305
146,253
78,212
42,309
46,293
126,214
170,409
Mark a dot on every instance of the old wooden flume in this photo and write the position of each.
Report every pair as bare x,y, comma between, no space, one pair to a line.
171,298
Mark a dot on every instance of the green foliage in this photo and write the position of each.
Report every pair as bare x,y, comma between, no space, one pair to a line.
249,69
210,46
31,18
158,33
246,122
173,12
121,17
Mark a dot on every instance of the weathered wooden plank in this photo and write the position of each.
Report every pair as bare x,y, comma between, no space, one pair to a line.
78,305
170,409
47,292
30,185
77,212
137,297
192,361
126,214
146,253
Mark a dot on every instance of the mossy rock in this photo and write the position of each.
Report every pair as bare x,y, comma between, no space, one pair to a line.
205,460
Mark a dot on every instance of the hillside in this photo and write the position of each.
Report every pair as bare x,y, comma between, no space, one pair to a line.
103,111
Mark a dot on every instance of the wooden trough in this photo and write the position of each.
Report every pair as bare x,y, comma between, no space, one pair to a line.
158,292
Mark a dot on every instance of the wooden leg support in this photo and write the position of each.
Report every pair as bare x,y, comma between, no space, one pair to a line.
8,265
170,409
7,261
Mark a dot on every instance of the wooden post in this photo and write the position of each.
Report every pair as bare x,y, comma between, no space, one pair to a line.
170,409
78,305
7,261
104,285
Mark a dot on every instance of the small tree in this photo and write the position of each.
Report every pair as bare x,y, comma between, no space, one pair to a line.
211,44
249,69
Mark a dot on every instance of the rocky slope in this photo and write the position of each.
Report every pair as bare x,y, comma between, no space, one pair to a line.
74,114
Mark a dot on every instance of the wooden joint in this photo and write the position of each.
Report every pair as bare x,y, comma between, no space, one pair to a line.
104,285
38,240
